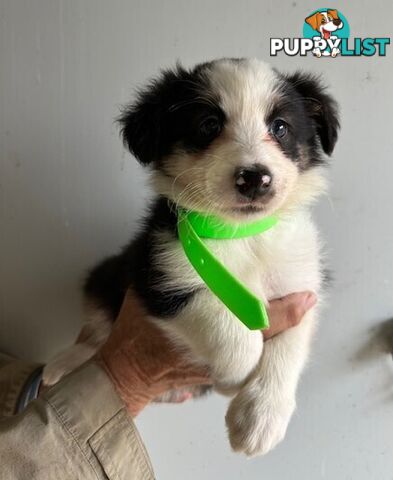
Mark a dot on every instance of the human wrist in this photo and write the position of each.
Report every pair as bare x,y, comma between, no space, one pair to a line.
128,379
141,361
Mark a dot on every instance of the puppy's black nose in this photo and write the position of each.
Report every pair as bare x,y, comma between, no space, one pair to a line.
336,22
254,181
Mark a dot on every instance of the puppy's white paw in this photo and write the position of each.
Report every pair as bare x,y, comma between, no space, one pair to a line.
65,362
257,420
54,371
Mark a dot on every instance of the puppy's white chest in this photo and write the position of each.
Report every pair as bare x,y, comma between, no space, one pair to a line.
280,261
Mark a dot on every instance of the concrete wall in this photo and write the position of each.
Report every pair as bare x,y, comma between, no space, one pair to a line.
70,194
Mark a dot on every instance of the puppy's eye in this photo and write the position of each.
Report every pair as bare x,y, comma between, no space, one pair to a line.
323,20
210,127
279,128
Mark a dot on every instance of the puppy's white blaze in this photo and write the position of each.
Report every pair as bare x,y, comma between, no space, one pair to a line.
244,88
246,92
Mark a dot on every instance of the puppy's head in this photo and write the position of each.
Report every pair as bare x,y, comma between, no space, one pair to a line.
325,22
233,137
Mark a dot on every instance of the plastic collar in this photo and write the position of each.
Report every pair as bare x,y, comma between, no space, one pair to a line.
193,226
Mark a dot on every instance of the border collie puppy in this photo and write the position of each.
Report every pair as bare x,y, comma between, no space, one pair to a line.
212,136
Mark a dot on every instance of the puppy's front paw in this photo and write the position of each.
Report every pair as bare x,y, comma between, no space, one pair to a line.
257,421
65,362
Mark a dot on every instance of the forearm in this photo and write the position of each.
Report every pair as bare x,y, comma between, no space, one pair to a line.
77,429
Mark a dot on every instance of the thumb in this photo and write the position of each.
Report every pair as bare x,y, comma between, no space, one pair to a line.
288,311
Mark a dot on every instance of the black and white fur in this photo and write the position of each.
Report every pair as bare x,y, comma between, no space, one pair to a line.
195,129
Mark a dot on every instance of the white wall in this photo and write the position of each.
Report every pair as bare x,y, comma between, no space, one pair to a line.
70,194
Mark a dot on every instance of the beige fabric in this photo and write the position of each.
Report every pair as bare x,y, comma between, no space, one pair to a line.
78,429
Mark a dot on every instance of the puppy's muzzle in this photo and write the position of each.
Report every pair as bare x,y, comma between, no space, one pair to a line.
253,182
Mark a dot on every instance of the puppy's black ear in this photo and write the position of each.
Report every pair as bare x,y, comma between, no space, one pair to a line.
143,123
320,106
140,126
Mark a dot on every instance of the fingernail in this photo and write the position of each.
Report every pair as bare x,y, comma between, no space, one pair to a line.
310,301
185,396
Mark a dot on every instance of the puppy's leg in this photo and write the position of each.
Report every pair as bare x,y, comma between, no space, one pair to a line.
258,416
94,333
218,339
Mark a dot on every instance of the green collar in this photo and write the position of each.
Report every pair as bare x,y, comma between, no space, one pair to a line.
193,226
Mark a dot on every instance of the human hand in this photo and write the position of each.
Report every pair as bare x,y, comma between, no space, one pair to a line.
143,364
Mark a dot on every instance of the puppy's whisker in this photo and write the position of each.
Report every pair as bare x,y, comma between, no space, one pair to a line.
180,175
187,193
213,156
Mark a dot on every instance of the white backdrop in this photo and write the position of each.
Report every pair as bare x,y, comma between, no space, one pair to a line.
70,194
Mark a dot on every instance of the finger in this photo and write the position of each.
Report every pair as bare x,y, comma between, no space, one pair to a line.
287,312
174,396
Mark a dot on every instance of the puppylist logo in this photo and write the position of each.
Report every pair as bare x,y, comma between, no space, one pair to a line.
326,34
